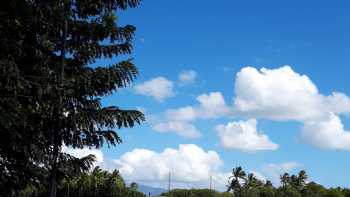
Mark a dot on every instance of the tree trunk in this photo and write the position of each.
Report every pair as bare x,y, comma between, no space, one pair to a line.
53,178
53,183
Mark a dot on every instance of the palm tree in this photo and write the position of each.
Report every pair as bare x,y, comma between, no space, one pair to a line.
251,181
238,173
294,181
285,179
268,183
234,181
96,174
133,186
302,177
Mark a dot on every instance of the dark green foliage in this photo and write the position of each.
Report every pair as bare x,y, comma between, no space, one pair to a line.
98,183
313,189
291,186
238,175
196,193
242,184
50,95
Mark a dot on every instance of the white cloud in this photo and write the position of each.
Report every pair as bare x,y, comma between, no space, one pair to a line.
187,77
212,105
273,171
282,167
328,133
278,94
243,136
159,88
181,128
187,113
209,106
283,95
180,120
80,153
338,103
188,164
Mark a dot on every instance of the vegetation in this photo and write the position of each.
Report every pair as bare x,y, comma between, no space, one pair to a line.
196,193
102,183
50,92
97,183
242,184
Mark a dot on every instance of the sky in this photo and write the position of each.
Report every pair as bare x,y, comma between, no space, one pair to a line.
258,84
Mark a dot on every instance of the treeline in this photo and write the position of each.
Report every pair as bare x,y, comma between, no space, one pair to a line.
196,193
97,183
102,183
242,184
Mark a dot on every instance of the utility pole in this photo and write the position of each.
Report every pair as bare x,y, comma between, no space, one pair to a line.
169,183
210,180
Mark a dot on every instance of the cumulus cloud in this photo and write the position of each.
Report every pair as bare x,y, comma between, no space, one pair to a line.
80,153
244,136
278,94
187,77
188,163
187,113
338,103
328,133
212,105
189,166
282,94
178,121
181,120
159,88
181,128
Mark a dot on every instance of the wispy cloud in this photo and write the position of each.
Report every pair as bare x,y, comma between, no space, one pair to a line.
187,77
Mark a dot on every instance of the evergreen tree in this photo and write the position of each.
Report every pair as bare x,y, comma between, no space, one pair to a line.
50,90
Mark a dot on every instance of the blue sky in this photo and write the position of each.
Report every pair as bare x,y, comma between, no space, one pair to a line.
217,40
